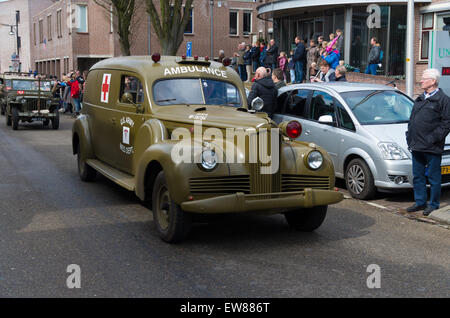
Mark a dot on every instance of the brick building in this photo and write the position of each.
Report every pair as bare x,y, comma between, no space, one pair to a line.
26,10
75,34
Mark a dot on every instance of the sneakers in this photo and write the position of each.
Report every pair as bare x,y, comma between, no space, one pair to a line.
415,208
428,210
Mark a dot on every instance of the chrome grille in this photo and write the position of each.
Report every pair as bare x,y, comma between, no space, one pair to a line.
300,182
220,185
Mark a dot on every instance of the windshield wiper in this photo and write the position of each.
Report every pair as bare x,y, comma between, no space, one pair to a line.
166,100
366,98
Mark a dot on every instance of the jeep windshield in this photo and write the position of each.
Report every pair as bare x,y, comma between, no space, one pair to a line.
27,85
196,91
376,107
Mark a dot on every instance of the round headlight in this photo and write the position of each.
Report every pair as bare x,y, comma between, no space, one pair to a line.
49,102
315,160
209,159
23,101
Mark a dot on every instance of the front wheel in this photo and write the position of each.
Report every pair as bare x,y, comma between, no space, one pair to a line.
15,118
8,120
55,120
85,171
359,180
173,225
307,220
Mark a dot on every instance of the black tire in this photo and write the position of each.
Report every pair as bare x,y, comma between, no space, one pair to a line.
2,111
46,122
55,120
86,172
8,120
307,220
15,118
359,180
173,225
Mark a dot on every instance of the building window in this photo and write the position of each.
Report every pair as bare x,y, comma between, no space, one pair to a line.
190,25
234,23
49,28
59,24
427,25
41,31
34,33
82,19
247,26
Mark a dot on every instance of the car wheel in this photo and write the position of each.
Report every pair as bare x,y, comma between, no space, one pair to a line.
46,122
2,109
8,120
173,225
15,118
86,172
359,180
307,220
55,120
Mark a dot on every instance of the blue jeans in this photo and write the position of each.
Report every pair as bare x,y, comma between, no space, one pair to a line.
242,72
292,76
298,72
255,66
76,103
371,69
426,164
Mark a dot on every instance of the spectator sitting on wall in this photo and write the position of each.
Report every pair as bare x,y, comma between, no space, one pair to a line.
340,74
278,78
326,73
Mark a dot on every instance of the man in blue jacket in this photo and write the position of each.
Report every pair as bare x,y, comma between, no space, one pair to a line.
428,126
299,60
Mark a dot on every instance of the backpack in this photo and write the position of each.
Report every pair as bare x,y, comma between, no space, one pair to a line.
381,56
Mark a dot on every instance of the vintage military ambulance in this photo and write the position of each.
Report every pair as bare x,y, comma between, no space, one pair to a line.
179,133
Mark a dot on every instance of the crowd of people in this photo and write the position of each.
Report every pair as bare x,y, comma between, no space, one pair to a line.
69,90
319,61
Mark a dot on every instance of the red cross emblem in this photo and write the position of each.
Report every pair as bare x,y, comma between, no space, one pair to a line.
105,88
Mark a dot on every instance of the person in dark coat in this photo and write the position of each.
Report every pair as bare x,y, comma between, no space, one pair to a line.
255,52
374,57
339,74
272,55
299,60
428,126
264,88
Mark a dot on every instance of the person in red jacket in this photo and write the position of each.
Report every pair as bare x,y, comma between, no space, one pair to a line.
75,89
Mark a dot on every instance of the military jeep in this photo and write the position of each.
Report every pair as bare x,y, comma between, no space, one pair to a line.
157,126
29,100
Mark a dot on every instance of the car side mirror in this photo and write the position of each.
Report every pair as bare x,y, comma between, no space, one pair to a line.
326,119
127,98
257,104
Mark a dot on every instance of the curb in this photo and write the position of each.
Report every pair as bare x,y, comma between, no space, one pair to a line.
441,215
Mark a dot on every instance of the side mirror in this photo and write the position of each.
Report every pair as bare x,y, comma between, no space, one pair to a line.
257,104
326,119
127,98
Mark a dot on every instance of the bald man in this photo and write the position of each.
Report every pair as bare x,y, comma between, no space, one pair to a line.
264,88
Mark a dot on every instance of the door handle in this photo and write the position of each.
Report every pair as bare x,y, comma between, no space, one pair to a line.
307,132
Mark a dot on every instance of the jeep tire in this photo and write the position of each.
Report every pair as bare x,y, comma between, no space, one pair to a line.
15,118
306,220
55,120
173,225
85,171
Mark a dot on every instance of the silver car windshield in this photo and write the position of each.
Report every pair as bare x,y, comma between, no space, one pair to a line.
379,106
196,91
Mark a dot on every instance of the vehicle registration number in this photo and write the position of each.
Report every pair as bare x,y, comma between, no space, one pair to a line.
445,170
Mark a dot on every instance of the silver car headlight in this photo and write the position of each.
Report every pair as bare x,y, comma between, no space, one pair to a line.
315,160
392,151
209,159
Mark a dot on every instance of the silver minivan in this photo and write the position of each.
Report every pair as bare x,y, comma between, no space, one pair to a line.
362,126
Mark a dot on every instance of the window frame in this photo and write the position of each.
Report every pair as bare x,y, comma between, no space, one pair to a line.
425,30
309,109
49,28
121,91
59,23
79,18
41,31
237,22
244,33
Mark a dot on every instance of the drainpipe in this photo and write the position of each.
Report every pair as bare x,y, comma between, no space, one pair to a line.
410,49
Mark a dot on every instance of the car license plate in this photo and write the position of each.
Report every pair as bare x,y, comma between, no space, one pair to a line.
445,170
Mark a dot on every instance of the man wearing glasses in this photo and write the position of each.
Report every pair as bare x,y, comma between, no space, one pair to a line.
428,126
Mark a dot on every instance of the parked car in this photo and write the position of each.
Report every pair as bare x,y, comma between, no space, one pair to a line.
362,126
134,106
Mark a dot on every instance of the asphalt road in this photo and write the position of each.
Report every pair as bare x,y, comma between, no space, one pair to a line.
49,219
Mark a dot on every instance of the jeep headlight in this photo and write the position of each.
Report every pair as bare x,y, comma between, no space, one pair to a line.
209,159
23,101
49,102
314,160
392,151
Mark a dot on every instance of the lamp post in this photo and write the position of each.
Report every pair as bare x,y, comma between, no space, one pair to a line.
211,5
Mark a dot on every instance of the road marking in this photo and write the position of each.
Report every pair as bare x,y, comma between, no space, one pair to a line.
377,205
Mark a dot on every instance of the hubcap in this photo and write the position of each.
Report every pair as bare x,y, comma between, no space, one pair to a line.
163,206
356,179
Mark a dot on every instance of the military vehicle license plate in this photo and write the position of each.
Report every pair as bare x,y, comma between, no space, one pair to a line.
445,170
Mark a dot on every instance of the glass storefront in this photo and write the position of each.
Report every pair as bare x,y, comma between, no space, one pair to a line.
391,35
